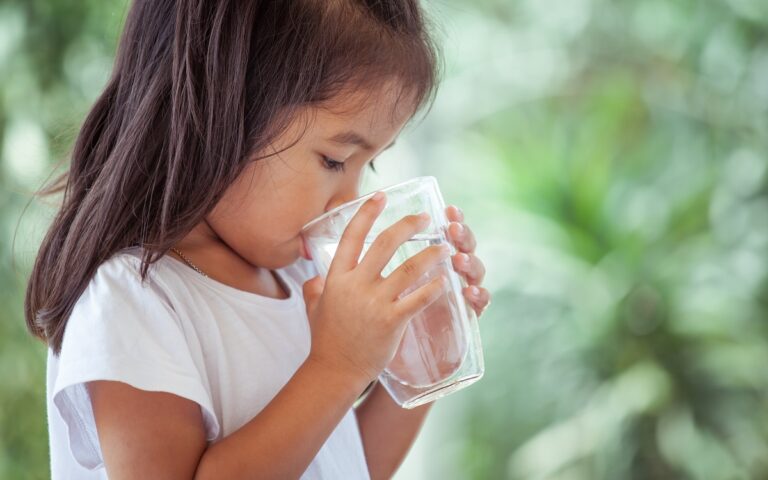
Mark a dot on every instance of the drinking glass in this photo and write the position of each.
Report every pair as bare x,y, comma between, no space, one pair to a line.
440,351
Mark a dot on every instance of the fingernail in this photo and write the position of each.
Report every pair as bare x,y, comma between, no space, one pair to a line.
464,258
474,291
445,250
378,196
459,227
424,217
461,213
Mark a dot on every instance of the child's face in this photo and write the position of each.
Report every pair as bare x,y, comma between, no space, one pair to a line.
262,212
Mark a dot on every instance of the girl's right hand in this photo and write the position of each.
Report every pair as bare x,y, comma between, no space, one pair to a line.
356,317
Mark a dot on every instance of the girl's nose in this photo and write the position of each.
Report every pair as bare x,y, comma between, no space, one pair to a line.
340,200
347,189
344,196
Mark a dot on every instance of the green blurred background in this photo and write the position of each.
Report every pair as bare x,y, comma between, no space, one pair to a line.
611,158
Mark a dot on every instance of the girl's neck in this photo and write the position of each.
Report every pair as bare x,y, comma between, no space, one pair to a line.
210,254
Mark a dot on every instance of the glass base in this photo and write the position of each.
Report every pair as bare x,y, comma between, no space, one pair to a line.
441,391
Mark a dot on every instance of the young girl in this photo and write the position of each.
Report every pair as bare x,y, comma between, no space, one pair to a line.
189,334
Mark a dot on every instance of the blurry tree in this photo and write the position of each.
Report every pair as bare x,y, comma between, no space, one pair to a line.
54,58
629,256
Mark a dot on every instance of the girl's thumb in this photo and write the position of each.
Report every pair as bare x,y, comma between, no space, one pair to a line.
313,288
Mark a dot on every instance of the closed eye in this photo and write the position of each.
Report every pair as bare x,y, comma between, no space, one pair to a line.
337,166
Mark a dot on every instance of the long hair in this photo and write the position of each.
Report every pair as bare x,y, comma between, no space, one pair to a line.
197,89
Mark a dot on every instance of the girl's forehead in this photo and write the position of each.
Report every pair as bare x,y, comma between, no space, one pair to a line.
369,119
372,127
389,106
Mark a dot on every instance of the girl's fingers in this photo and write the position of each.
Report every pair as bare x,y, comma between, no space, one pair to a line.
466,262
462,237
421,298
479,298
470,266
353,238
454,213
413,268
387,242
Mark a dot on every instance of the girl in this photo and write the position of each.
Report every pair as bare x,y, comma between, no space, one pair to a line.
188,333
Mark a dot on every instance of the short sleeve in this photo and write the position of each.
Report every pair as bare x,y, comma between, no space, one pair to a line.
125,330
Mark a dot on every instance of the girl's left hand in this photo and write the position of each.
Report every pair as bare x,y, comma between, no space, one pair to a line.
466,262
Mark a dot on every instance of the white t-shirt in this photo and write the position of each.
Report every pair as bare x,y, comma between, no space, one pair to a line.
228,350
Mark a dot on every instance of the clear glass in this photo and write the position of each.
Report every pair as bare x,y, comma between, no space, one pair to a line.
440,351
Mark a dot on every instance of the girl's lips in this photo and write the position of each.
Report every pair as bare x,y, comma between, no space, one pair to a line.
304,250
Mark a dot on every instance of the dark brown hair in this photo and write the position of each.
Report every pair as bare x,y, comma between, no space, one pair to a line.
198,87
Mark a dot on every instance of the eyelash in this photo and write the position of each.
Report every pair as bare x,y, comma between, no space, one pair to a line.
332,164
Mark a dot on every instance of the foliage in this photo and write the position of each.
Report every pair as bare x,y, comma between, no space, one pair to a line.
618,185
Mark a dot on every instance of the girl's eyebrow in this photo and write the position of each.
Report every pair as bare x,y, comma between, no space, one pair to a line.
354,138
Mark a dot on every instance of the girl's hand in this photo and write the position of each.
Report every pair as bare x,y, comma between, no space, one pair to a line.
466,262
356,318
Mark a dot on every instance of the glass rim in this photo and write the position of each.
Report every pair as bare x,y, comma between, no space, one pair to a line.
363,198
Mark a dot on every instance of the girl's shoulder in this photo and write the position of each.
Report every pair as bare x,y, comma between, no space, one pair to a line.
117,308
128,262
123,271
168,281
125,263
123,328
167,276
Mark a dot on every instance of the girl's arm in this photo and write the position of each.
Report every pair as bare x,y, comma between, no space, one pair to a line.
388,431
160,435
